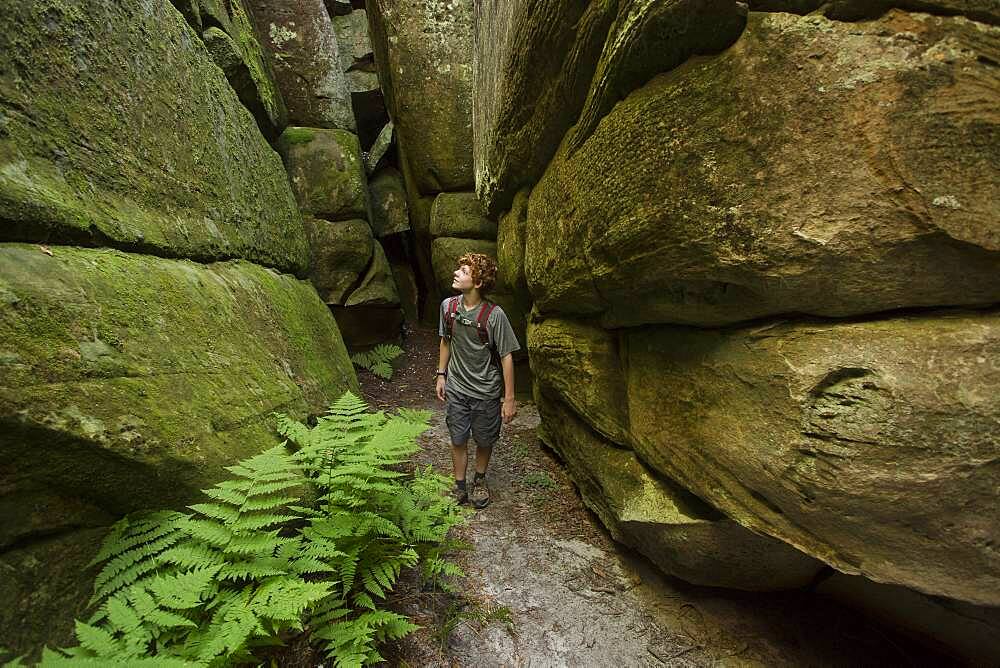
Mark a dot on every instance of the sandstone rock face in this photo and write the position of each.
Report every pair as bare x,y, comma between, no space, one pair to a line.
341,252
519,121
423,49
459,215
731,203
326,172
870,445
231,37
581,365
126,382
388,196
854,10
378,287
307,63
679,533
95,154
605,48
970,630
356,58
511,232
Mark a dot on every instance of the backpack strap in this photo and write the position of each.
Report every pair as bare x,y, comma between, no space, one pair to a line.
483,323
451,312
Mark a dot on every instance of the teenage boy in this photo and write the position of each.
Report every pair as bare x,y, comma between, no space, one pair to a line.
475,373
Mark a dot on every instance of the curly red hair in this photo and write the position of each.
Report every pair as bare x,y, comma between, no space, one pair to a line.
483,269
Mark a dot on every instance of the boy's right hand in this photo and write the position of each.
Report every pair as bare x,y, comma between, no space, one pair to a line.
440,387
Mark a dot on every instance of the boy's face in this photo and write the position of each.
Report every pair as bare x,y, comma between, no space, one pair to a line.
462,279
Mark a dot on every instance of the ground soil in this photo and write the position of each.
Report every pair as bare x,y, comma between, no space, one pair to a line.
545,585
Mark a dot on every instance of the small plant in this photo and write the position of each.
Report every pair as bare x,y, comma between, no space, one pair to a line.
540,480
378,360
257,565
481,614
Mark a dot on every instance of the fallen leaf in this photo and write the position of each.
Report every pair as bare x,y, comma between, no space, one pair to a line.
45,249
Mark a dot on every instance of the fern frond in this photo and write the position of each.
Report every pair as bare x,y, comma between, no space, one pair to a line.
134,530
98,641
415,415
257,522
184,590
251,569
210,531
189,554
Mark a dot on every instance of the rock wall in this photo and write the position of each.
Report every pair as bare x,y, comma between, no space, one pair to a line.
151,311
760,252
322,59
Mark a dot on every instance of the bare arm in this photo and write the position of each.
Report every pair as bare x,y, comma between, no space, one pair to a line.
444,354
509,409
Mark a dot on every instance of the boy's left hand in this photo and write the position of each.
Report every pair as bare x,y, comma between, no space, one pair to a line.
508,410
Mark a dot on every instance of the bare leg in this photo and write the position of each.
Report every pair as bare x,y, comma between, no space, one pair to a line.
483,458
460,459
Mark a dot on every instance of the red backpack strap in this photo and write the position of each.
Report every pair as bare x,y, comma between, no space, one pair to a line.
450,314
483,322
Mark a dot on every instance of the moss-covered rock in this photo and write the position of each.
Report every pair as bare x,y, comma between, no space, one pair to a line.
326,172
445,252
231,38
870,445
854,10
356,58
128,381
533,66
341,252
459,215
677,531
303,45
735,200
580,365
510,248
119,130
390,214
423,51
378,287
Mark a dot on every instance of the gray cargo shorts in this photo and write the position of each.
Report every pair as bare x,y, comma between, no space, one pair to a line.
467,415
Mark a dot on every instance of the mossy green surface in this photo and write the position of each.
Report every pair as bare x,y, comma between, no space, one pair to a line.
341,252
378,286
869,444
673,528
459,215
326,172
127,381
118,129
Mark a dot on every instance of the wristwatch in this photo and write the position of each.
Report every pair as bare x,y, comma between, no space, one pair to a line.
441,373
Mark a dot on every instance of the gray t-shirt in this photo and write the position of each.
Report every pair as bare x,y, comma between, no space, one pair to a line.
470,371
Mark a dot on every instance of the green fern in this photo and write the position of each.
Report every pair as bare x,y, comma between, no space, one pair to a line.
378,360
254,564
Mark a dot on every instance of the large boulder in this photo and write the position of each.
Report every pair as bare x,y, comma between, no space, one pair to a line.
127,382
459,215
510,248
677,531
341,253
581,365
356,57
526,98
870,445
390,214
307,65
326,172
531,79
424,56
105,132
854,10
378,287
445,252
737,199
231,37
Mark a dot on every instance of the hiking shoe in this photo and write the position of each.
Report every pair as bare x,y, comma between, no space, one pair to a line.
460,495
480,494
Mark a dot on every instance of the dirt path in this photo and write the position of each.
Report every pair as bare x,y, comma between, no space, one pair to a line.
546,586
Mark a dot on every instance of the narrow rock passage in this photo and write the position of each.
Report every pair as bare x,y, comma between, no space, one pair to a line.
546,586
